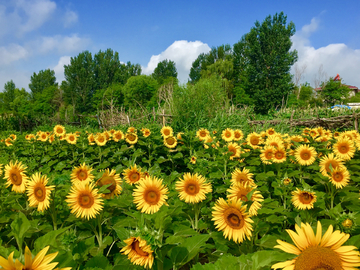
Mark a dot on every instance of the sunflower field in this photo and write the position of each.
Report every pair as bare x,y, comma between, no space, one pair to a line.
159,199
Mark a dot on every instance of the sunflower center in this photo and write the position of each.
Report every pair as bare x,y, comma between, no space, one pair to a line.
338,177
343,149
227,134
16,178
268,155
39,194
254,140
101,139
237,135
203,134
234,218
306,198
135,246
59,130
232,150
170,140
305,155
318,258
333,163
242,196
82,175
131,137
279,155
347,223
134,177
192,188
86,200
152,197
106,181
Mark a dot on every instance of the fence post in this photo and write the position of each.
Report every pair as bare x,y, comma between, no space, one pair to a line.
164,119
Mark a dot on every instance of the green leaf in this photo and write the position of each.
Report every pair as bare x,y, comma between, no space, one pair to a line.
98,261
61,165
49,239
19,227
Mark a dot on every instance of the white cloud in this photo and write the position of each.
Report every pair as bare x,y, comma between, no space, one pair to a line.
334,58
70,18
183,53
59,68
61,44
12,53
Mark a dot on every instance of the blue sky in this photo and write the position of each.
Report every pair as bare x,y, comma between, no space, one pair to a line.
41,34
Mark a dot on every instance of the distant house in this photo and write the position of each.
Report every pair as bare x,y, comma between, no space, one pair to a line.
353,89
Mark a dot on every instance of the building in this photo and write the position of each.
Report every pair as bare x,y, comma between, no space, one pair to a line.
353,89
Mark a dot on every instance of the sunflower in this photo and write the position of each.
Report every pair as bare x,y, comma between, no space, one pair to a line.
81,174
305,155
344,148
51,138
15,176
100,139
267,154
8,264
178,136
193,160
302,199
13,137
239,191
202,134
91,139
313,133
227,135
110,177
254,139
270,131
234,150
8,142
274,141
339,177
131,130
231,217
118,135
296,138
287,181
328,160
318,251
238,135
146,132
107,135
138,252
279,155
150,195
131,138
59,130
243,176
133,175
170,141
42,136
71,138
38,192
84,200
166,131
192,188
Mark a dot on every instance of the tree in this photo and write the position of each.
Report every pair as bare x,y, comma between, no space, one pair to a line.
334,91
140,90
164,70
42,80
266,62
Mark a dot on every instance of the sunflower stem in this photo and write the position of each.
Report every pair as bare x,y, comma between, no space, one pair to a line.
53,210
99,218
197,212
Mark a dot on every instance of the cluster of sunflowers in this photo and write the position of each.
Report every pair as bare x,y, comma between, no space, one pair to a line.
233,215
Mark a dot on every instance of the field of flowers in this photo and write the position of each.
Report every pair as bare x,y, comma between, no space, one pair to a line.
201,200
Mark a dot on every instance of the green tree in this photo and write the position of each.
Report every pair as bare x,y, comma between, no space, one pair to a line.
8,95
165,70
140,90
265,59
42,80
45,102
334,92
126,71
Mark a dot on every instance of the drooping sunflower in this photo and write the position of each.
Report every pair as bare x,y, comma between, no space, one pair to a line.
254,140
38,192
131,138
118,135
146,132
71,138
166,131
305,154
234,150
170,141
51,138
344,148
302,199
133,174
112,178
202,134
15,176
8,142
244,176
59,130
239,191
138,252
150,194
231,218
100,139
131,130
339,177
82,174
107,135
13,137
328,160
84,200
317,251
192,188
296,138
227,135
91,139
279,155
267,154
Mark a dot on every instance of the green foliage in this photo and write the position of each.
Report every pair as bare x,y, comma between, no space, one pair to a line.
165,70
334,92
354,99
41,81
